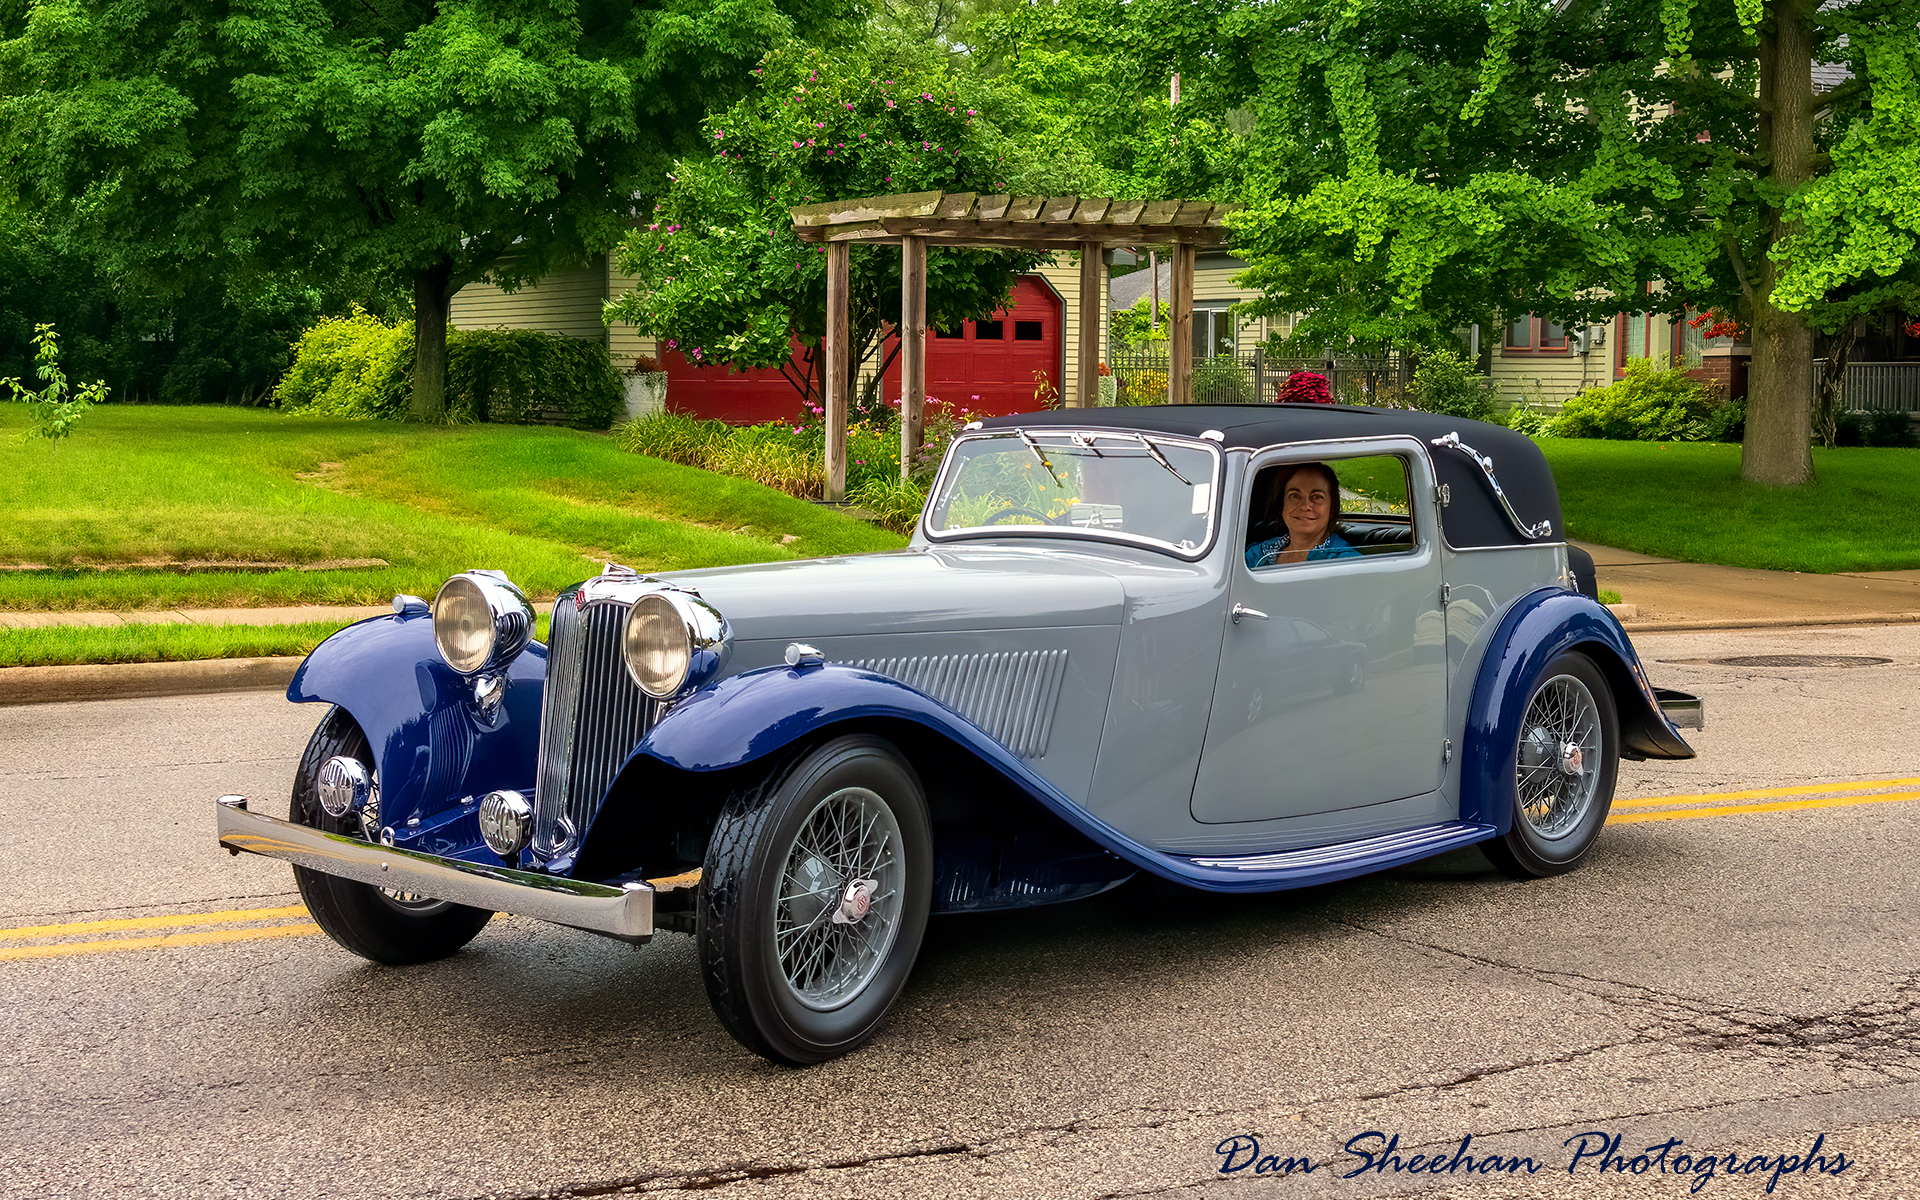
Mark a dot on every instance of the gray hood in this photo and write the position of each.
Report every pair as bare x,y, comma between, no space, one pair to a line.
916,590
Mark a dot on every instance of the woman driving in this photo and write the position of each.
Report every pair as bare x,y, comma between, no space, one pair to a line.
1309,507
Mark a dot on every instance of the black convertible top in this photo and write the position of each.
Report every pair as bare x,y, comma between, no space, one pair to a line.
1473,516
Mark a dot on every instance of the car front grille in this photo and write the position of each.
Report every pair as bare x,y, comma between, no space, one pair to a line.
592,718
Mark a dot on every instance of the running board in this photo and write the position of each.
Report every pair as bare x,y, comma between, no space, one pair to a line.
1341,860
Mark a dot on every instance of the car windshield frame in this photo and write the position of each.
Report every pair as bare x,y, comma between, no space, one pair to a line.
1084,441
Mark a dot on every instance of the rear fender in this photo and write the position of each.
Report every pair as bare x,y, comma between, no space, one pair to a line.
1538,628
430,743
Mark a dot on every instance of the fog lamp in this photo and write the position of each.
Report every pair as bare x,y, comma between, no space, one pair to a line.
345,786
506,823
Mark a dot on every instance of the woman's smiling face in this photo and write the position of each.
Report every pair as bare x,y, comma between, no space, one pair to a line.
1307,507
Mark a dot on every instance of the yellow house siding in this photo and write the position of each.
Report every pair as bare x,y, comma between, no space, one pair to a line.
624,342
1558,376
566,302
1062,272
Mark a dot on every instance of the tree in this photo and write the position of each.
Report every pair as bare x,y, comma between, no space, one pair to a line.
1411,169
428,144
721,276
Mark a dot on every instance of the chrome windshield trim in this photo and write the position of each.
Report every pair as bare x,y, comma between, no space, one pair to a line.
625,913
1082,439
1452,441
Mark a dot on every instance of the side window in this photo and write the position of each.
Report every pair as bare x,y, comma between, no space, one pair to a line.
1339,508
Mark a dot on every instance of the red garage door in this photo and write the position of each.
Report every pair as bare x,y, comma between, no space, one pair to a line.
991,367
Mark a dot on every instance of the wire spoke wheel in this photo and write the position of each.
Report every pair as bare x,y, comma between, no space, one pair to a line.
837,909
1560,744
1566,753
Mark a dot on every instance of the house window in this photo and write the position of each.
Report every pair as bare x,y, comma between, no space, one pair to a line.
989,331
1026,331
1536,335
1213,333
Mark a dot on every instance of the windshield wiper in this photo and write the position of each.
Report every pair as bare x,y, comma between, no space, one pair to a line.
1035,447
1159,457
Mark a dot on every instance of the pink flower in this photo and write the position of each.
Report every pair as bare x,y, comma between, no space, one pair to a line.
890,104
819,124
796,145
971,113
718,134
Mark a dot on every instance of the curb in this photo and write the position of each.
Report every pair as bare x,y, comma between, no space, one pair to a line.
134,681
1906,618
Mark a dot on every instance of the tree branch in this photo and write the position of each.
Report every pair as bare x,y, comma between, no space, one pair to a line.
1739,267
1840,95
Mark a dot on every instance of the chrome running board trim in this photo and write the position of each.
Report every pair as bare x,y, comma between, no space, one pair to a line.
1404,846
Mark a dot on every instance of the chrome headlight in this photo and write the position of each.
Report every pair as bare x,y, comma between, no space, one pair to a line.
673,643
481,621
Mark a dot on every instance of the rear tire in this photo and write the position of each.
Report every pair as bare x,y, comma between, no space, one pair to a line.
387,927
1565,758
801,958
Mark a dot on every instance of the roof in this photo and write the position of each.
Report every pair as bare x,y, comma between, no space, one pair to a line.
1127,289
1474,515
1037,222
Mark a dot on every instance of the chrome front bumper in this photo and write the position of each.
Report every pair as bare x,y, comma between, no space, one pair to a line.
624,912
1685,711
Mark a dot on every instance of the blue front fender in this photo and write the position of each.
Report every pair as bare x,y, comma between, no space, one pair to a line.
1540,627
430,746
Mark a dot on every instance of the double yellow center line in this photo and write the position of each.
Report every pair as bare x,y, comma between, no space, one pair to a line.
1713,804
73,938
191,929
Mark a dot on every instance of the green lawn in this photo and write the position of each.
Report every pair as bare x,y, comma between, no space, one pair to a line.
148,484
1686,500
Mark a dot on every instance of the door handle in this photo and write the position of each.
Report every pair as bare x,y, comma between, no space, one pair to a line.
1241,610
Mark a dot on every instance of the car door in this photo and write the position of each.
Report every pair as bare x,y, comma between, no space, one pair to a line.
1331,692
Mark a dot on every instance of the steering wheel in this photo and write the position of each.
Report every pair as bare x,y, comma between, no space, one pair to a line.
1017,511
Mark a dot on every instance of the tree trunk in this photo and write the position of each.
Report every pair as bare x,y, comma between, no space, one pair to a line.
432,303
1826,416
1778,448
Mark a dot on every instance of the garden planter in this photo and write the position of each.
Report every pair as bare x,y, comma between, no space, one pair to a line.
646,393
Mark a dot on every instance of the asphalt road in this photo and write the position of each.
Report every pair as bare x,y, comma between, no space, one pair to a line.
1742,981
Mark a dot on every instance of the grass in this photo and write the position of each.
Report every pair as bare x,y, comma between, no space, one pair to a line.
64,645
1686,500
144,484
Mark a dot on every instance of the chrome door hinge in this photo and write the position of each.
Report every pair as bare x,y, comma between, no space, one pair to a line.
1446,593
1446,752
1442,494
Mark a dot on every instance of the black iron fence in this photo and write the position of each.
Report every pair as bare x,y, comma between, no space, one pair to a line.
1257,378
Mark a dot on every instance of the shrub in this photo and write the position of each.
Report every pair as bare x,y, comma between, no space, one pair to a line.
1143,387
517,376
1221,381
351,366
1305,387
1445,382
1523,417
1728,422
896,502
675,437
1653,403
1873,429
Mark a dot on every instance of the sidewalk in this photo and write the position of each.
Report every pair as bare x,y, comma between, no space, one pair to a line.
1656,594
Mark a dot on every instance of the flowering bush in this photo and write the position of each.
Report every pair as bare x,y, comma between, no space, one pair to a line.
1305,387
1652,403
646,364
1711,324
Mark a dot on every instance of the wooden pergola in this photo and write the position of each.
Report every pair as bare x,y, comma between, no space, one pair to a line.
919,219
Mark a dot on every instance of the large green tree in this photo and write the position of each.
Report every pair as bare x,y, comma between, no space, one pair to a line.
720,275
1408,169
430,144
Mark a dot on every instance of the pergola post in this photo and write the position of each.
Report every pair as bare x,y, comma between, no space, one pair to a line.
1088,393
839,355
1180,339
913,349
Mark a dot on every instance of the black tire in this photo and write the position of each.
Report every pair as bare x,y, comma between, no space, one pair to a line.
386,928
780,1007
1559,804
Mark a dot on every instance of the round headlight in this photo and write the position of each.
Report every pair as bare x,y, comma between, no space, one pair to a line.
658,647
480,621
674,642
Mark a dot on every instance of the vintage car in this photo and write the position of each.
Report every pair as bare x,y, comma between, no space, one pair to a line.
1070,676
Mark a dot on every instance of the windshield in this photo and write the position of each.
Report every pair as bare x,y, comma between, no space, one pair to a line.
1114,486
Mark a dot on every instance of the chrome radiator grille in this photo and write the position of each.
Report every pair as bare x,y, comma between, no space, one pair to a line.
592,717
1010,694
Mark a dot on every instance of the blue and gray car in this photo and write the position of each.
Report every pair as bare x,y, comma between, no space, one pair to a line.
1071,677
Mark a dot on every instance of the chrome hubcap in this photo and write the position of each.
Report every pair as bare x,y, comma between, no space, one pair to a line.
837,909
1559,750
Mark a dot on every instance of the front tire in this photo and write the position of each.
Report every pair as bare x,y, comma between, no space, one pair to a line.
1565,759
387,927
814,899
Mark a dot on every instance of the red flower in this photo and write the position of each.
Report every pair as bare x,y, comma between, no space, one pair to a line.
1305,387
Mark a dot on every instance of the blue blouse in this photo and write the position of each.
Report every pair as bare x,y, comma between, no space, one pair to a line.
1268,552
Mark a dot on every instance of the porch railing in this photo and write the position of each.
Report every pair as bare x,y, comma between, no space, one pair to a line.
1254,378
1876,386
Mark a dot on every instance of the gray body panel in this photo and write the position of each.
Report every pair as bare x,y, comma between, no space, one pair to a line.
1163,718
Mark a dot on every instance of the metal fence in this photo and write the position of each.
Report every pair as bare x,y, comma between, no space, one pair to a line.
1256,378
1876,386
